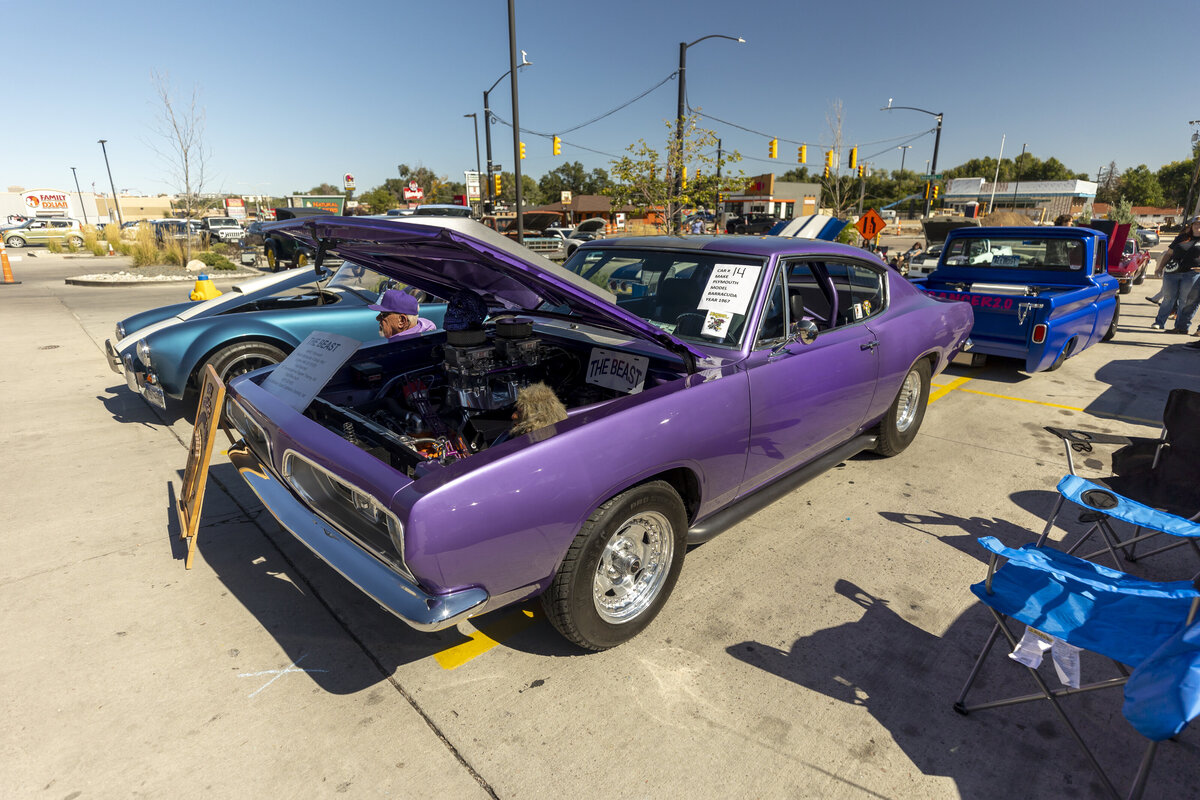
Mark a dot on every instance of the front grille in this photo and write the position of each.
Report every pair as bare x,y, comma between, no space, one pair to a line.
352,511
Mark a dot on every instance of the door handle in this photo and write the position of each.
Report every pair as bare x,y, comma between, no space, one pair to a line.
871,345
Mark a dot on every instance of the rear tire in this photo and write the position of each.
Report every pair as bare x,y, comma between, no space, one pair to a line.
1125,287
76,241
899,426
620,569
272,258
301,260
1112,326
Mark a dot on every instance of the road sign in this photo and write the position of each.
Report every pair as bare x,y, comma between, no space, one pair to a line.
870,224
930,177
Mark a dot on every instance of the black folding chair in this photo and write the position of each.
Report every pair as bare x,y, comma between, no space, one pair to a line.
1148,475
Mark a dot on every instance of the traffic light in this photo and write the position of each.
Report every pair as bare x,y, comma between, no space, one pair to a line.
826,170
862,170
557,146
773,148
853,157
802,154
828,161
522,149
684,184
926,190
935,191
497,177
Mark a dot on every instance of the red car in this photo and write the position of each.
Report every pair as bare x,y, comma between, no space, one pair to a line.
1127,261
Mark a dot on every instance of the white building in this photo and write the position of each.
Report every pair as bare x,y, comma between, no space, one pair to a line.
1039,200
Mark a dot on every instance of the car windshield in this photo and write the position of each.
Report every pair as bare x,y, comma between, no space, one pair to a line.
696,296
443,211
361,281
227,221
1015,251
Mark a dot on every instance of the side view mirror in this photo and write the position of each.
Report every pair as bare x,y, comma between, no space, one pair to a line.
804,331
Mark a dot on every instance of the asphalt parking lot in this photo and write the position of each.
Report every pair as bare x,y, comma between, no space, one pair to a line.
814,650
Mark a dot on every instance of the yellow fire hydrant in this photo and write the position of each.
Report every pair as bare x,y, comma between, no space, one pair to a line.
205,290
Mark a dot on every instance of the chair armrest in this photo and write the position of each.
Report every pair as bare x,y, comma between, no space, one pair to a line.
1073,436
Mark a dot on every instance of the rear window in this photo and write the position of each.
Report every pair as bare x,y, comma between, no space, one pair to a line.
1015,253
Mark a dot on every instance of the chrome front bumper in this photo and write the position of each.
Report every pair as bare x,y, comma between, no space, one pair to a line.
396,593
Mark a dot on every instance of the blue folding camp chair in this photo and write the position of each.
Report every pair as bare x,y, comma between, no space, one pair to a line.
1151,627
1155,485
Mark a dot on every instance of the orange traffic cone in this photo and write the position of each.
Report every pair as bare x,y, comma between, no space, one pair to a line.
8,276
111,252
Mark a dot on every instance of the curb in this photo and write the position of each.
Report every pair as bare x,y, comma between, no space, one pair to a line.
154,281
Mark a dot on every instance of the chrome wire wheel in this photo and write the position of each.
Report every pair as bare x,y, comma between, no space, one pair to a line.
633,567
908,403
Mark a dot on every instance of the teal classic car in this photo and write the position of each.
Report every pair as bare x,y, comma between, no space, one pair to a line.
162,352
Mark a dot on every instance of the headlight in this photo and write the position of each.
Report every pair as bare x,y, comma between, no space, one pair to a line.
143,351
120,331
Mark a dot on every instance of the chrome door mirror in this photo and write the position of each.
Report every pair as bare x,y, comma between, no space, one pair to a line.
804,331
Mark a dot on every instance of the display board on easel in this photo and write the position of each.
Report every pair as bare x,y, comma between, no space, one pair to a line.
195,475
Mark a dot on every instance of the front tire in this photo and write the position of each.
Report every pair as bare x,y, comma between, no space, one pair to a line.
301,260
14,242
899,426
1125,287
272,258
238,359
620,569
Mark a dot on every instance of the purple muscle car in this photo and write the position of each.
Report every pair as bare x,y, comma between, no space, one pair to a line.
699,378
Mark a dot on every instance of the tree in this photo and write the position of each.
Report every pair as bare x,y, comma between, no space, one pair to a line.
1141,186
570,177
531,195
838,192
1109,188
181,126
644,179
1122,211
378,200
1176,177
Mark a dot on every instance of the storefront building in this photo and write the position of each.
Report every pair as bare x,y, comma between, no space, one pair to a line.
781,199
1038,200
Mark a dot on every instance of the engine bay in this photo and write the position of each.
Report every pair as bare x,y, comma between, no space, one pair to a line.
462,396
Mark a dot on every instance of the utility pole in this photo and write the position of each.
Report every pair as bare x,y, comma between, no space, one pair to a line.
862,188
1192,193
80,194
1017,185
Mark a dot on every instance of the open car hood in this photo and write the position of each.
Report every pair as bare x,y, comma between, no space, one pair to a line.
444,254
1117,233
936,230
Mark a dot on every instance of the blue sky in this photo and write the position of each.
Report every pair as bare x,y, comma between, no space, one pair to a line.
297,93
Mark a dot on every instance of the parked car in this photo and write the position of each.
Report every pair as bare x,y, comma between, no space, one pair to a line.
747,363
43,230
936,231
254,234
1148,237
1041,295
750,223
1127,261
283,251
441,210
162,352
226,230
168,230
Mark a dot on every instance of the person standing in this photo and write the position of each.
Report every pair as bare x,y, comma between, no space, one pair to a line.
1179,268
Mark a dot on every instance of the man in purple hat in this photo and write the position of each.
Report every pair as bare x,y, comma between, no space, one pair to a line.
398,316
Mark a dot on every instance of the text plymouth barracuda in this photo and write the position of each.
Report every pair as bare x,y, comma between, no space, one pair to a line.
745,365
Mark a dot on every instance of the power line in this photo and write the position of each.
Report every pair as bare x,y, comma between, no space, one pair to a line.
596,119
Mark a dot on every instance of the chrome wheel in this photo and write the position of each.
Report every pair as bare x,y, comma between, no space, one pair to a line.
633,567
909,401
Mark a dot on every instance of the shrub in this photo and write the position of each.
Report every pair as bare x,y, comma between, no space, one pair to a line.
144,253
54,246
215,260
100,249
90,237
112,233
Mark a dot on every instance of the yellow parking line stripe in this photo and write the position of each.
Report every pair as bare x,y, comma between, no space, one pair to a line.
942,391
485,639
1022,400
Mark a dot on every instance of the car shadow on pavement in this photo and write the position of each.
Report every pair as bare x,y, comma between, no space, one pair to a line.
908,678
311,611
1138,388
125,406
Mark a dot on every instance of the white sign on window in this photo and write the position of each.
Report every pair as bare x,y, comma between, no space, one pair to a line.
730,288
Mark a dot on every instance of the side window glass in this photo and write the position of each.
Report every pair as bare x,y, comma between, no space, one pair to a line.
859,292
808,297
774,324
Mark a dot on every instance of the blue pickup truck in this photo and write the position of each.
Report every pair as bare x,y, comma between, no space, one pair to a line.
1039,294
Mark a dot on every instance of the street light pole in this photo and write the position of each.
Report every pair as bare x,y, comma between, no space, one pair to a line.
937,142
475,118
1017,185
1195,175
487,128
111,185
81,205
516,112
677,212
